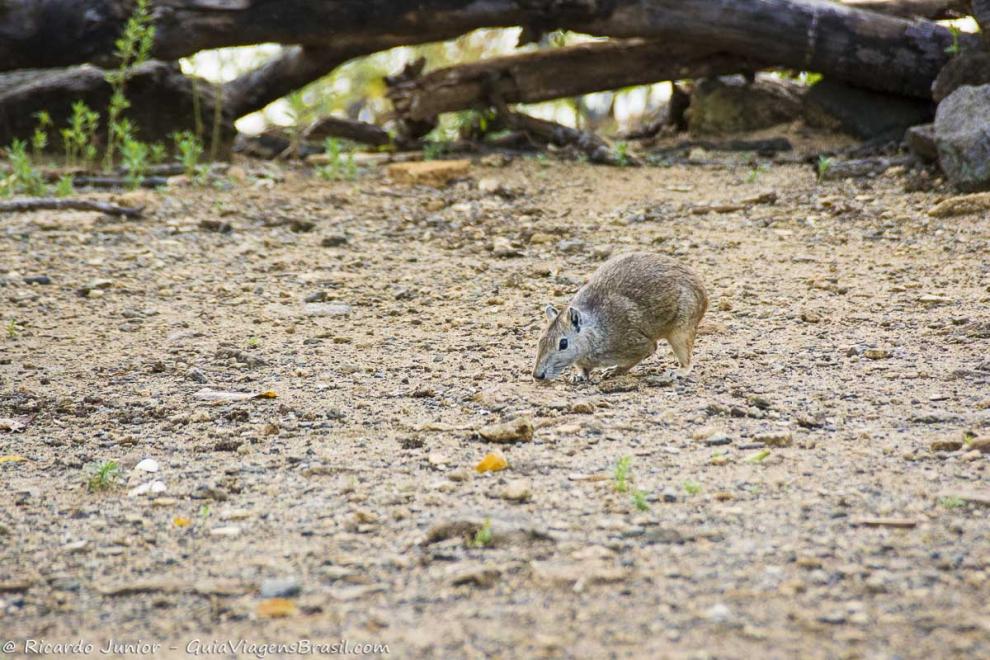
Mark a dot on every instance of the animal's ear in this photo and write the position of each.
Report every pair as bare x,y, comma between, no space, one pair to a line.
551,312
575,317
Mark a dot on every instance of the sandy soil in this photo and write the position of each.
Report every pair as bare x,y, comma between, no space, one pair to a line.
793,503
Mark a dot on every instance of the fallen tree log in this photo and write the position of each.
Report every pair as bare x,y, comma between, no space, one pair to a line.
162,100
549,74
934,10
861,47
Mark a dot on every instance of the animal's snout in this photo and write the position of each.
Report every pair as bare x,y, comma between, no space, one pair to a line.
538,375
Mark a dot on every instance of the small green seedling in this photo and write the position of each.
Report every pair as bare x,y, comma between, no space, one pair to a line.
204,511
434,150
190,150
64,187
79,139
11,328
340,163
755,172
157,152
824,165
758,457
622,154
621,474
135,156
692,487
102,476
253,342
639,500
24,179
953,48
483,537
952,502
39,140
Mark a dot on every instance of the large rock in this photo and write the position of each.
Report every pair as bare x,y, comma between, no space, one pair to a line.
921,141
732,104
962,136
863,113
969,68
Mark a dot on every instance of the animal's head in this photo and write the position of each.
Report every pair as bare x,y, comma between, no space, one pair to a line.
562,343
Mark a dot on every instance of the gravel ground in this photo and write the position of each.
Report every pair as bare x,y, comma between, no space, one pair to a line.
815,488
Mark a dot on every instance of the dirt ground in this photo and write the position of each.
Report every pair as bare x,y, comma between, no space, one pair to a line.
784,500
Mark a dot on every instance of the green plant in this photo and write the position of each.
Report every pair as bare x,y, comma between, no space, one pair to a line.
79,139
12,329
639,500
692,487
157,152
132,48
483,537
23,178
622,154
253,342
621,474
952,502
135,156
190,150
64,187
824,165
434,150
758,457
102,476
204,511
340,164
953,48
40,138
755,172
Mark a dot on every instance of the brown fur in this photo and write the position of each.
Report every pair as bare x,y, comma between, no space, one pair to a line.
633,300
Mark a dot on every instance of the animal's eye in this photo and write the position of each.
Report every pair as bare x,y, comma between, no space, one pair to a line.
563,344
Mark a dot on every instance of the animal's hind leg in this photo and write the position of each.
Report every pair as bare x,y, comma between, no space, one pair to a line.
682,341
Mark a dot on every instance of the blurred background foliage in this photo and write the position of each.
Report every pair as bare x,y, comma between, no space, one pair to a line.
356,89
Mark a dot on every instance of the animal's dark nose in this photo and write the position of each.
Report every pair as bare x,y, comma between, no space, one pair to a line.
538,376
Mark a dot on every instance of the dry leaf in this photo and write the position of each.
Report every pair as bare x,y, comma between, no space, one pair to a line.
492,462
275,608
179,521
12,458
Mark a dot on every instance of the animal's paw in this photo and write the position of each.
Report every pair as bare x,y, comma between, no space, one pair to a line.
610,372
579,377
613,372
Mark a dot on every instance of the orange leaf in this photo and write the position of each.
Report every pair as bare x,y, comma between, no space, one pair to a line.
267,394
492,462
179,521
275,608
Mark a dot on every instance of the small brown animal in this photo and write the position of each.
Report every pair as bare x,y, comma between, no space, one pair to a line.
615,320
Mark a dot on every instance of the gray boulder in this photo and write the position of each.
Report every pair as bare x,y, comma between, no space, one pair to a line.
962,137
970,68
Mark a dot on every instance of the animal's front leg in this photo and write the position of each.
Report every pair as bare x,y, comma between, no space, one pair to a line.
581,375
615,370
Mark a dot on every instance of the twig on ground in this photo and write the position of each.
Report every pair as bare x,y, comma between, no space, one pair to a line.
67,204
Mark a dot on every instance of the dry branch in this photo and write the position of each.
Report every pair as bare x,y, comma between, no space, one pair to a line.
558,73
348,129
63,204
